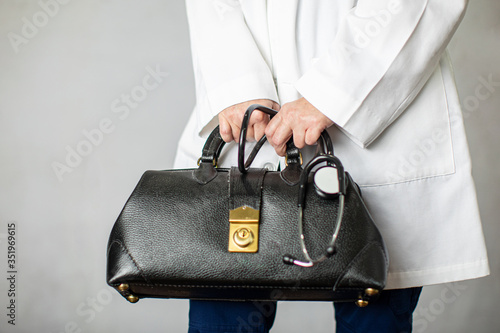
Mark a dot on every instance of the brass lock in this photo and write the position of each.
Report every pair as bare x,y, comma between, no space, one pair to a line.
243,237
243,230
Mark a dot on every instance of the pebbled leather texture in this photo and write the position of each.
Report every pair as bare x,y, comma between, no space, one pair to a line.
171,238
291,174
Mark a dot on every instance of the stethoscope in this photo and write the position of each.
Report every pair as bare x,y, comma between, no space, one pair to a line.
329,182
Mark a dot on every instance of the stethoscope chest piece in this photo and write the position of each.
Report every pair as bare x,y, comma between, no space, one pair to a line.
326,182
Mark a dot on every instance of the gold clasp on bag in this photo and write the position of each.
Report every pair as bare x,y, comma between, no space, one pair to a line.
243,230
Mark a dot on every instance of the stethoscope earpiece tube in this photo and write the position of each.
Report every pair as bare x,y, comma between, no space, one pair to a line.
242,165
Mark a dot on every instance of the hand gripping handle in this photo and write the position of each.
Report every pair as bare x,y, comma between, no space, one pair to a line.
214,144
291,149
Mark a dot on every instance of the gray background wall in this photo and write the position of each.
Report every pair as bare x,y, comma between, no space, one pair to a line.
64,77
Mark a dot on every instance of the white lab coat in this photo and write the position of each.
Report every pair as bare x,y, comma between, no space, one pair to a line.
379,70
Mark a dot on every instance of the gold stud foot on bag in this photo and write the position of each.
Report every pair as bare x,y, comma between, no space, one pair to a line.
371,292
361,303
123,289
132,298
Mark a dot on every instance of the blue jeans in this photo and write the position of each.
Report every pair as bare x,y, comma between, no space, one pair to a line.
392,312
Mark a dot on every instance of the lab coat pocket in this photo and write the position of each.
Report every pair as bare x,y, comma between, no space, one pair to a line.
417,145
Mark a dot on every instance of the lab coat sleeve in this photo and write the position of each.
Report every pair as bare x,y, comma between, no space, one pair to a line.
228,65
382,56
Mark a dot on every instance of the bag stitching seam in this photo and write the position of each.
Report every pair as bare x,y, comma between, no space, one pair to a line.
124,247
353,261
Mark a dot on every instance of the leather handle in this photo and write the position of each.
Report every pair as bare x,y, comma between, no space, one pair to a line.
212,148
214,144
291,149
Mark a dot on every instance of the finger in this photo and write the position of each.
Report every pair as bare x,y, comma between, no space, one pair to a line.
280,150
250,133
259,124
299,136
259,130
312,136
258,117
255,123
280,137
225,129
235,132
271,127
